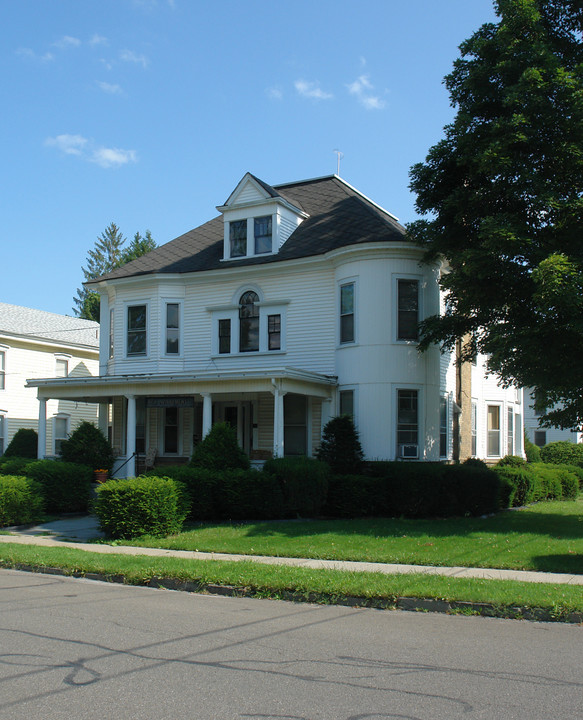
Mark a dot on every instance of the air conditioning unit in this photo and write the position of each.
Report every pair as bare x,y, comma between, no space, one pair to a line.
409,452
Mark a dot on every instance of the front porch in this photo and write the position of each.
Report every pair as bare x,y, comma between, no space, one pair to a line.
275,413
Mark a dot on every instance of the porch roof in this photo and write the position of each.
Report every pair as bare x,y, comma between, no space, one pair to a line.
216,382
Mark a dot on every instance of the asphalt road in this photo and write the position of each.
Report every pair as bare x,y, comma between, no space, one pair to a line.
79,649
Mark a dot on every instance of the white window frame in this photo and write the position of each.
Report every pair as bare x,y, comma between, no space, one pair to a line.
474,429
344,282
244,216
444,401
354,390
164,319
62,358
55,418
3,360
127,306
420,304
420,420
510,429
3,431
500,430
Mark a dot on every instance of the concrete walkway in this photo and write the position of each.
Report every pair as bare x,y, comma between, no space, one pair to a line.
76,531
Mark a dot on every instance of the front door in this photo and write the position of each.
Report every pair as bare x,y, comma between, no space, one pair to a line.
239,417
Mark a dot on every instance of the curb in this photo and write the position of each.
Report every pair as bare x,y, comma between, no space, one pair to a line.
408,604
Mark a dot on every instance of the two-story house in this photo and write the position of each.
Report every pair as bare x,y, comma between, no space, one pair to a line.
296,303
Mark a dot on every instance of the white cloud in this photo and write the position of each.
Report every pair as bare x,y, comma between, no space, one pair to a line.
98,40
109,88
69,144
311,90
274,93
67,41
88,151
112,157
361,88
130,56
31,55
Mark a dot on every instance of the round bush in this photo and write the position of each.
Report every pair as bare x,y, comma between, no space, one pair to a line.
87,445
511,461
562,453
20,500
131,507
24,444
220,450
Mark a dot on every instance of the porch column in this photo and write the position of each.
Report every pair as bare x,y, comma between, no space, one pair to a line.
103,418
278,421
207,413
131,436
42,428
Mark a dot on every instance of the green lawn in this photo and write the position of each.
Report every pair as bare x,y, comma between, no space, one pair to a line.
546,537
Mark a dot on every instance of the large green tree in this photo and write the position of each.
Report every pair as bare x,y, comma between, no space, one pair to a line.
502,202
107,254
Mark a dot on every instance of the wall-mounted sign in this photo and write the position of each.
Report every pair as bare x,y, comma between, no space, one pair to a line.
170,402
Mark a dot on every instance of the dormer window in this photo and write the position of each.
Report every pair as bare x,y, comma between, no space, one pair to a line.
263,235
238,238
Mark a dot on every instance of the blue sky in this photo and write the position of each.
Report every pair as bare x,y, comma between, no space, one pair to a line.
148,112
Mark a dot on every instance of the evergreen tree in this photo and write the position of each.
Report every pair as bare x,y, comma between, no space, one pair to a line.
504,194
139,246
340,446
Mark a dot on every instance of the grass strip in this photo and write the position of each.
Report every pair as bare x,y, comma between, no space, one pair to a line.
504,598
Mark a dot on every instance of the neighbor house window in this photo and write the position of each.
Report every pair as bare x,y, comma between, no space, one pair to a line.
2,431
225,336
137,329
493,430
540,438
111,347
443,427
510,432
474,429
407,309
347,313
172,328
60,432
347,403
262,235
62,368
248,322
407,423
274,332
238,238
2,370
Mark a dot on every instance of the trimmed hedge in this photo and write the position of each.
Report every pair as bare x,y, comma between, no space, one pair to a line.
249,495
66,487
21,500
537,481
562,452
132,507
303,482
200,485
13,465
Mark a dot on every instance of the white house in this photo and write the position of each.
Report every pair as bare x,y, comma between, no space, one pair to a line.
38,344
296,303
539,435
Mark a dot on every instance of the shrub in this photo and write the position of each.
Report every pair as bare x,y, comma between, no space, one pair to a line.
66,487
24,444
87,445
220,450
201,485
20,501
13,466
132,507
303,482
531,450
475,462
511,461
562,452
340,447
353,496
518,485
249,494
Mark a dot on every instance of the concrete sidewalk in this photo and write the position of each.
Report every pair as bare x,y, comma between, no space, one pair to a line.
76,531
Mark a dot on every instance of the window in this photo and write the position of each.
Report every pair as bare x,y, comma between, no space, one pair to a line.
347,403
62,368
347,313
510,431
493,430
443,427
2,431
274,332
295,424
172,328
248,322
263,235
60,432
518,433
111,333
137,330
540,438
224,336
408,309
407,423
171,431
474,429
539,406
2,370
238,238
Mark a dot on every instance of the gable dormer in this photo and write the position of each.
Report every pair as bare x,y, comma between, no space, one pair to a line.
257,220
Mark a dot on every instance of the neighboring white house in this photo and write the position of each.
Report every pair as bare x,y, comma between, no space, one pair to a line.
539,435
37,344
296,303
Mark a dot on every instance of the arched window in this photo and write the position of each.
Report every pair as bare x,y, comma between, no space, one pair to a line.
248,322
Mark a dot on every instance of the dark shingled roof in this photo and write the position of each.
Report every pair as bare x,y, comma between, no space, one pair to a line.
338,216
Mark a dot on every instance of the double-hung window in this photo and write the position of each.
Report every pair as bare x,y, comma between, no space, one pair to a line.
443,427
347,313
60,432
407,309
262,235
136,338
248,322
2,370
274,332
510,431
474,429
347,403
62,367
224,336
493,430
172,328
407,423
238,238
